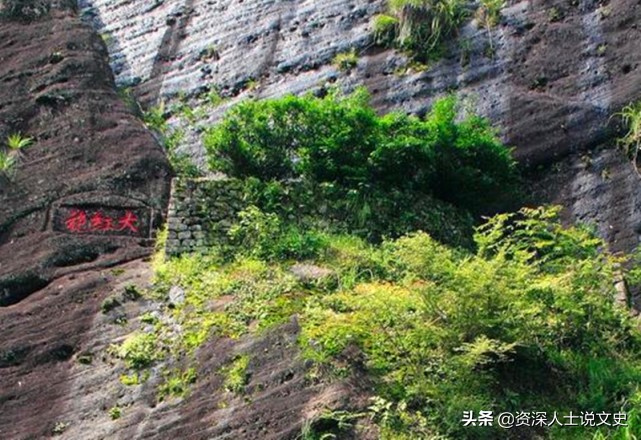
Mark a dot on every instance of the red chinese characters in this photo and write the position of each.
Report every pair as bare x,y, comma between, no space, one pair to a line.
79,221
128,222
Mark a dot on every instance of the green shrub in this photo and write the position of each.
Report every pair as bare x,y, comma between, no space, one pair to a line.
131,293
171,139
341,141
282,138
130,379
346,61
473,168
631,118
236,375
263,235
385,29
110,303
177,383
526,322
156,119
139,350
425,24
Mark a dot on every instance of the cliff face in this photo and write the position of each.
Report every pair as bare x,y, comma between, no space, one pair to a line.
58,89
550,76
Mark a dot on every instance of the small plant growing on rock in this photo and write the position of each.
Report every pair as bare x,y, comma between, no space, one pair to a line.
177,383
131,293
115,412
56,57
9,155
346,61
237,375
7,164
209,53
109,304
138,351
385,29
425,24
85,358
155,118
555,14
127,96
252,84
213,98
489,13
135,378
17,142
59,428
631,117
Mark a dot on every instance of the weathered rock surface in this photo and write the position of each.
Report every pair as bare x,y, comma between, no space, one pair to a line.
89,150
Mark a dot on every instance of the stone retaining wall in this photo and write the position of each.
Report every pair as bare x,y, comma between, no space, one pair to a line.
201,211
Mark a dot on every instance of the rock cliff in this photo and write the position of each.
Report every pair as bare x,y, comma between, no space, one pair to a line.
550,75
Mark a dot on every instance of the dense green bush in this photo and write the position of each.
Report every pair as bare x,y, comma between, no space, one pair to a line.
339,140
264,235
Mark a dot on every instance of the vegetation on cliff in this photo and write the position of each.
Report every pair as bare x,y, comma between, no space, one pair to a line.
631,118
521,318
11,153
384,175
421,27
526,322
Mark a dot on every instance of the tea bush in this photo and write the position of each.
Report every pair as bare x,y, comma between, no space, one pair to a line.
387,167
